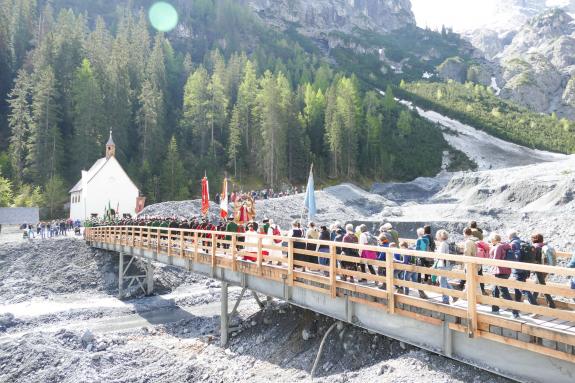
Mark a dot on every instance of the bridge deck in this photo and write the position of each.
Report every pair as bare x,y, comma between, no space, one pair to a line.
466,330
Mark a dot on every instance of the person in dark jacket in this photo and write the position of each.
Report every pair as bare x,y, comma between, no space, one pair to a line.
349,237
537,240
519,274
324,235
297,232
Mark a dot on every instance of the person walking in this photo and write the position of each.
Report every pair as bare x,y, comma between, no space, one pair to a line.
499,251
324,235
538,244
366,238
311,233
349,237
523,252
441,264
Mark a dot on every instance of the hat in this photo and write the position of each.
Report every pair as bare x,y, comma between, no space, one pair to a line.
230,218
387,226
266,220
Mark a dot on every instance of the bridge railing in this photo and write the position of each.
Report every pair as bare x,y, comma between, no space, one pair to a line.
335,268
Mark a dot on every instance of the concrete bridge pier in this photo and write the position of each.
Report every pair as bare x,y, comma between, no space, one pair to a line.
224,315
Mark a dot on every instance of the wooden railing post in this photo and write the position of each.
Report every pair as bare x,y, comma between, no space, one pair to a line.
260,255
234,250
389,282
169,242
196,246
332,271
290,262
214,247
158,241
471,276
181,234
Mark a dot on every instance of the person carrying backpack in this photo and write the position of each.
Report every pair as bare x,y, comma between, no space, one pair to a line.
349,237
499,251
366,238
525,253
473,247
541,258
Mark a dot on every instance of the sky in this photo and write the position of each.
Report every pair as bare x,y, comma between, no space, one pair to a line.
459,14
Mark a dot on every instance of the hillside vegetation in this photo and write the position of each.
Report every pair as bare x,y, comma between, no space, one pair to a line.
478,106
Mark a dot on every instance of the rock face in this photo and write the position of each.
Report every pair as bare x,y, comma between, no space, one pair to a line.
539,62
453,68
342,15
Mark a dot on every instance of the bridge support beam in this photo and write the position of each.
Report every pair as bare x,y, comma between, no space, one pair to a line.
145,281
447,340
224,315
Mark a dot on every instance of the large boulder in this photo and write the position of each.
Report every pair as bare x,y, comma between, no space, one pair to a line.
453,68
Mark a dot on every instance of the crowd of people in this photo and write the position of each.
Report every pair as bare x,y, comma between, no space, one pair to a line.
50,229
475,244
262,194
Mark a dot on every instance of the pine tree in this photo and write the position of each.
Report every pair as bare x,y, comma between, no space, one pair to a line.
173,186
195,109
20,122
149,122
88,118
44,145
247,94
270,102
217,111
55,195
404,123
5,192
235,139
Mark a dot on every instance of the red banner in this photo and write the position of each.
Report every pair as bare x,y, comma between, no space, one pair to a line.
205,196
224,200
140,203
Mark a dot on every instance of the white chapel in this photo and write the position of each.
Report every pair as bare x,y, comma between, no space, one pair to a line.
105,185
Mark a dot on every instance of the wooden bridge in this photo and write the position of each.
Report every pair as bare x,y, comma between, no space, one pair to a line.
537,347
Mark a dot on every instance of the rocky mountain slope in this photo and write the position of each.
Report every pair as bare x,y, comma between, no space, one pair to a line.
321,16
538,66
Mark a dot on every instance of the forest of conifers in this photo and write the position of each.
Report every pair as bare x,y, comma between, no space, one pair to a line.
222,92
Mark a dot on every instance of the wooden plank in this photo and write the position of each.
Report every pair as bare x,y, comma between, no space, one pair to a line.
430,271
419,317
234,250
332,271
213,253
361,275
376,305
389,283
429,305
471,273
311,277
529,346
314,266
552,289
550,334
437,289
311,287
525,307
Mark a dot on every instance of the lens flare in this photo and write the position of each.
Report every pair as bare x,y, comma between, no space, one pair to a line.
163,16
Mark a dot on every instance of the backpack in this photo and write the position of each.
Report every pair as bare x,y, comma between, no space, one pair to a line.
452,248
549,257
526,252
276,231
482,249
371,239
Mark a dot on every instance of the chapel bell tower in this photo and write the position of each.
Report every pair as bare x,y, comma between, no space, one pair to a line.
110,147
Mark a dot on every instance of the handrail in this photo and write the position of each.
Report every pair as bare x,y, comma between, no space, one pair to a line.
212,248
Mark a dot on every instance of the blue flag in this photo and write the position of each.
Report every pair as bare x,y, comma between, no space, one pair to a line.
309,201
